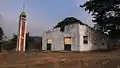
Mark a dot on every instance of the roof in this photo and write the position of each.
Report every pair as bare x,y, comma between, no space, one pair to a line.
23,14
68,21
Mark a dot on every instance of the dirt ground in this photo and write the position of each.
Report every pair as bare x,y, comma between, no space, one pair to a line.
109,59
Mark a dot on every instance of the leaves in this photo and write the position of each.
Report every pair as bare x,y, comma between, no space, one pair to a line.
1,33
104,12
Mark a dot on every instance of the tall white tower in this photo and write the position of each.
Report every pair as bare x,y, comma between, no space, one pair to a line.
21,41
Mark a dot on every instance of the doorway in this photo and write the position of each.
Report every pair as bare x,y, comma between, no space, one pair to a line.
67,43
49,44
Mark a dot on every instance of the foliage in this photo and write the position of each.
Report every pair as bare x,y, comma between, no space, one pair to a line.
1,33
10,44
29,40
7,45
1,37
106,14
14,39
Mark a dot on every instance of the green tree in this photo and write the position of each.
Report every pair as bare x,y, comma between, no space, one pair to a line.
1,33
14,39
1,37
106,15
11,43
28,42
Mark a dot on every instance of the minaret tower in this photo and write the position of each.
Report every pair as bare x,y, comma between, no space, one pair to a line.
21,41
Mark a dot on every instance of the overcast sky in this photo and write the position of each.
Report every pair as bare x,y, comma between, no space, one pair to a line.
41,14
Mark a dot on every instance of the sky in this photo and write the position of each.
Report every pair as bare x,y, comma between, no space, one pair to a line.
41,14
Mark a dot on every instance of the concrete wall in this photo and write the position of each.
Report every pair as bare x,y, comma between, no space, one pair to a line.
94,39
72,31
58,38
76,32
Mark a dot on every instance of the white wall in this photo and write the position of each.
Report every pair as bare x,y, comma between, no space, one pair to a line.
94,41
76,32
58,38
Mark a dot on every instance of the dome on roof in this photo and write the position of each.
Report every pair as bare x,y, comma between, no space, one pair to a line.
23,14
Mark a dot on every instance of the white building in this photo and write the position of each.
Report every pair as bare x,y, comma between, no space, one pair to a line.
74,37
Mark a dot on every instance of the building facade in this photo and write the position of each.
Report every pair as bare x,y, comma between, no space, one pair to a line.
74,37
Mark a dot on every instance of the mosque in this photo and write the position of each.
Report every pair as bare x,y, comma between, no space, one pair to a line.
74,37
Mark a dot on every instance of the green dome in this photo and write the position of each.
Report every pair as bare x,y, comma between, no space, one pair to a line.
23,14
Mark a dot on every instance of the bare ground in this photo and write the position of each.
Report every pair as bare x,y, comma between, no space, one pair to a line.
109,59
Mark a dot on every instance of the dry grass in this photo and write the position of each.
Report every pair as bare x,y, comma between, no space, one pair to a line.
61,60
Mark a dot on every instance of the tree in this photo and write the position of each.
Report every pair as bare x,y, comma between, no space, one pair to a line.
106,15
29,41
11,43
1,37
1,33
14,39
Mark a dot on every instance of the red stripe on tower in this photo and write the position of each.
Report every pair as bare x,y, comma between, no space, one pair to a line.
21,33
